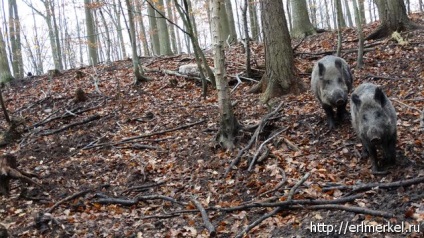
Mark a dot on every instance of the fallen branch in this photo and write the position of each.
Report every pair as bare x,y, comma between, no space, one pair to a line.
276,210
258,130
252,163
68,198
142,187
92,118
375,77
162,132
369,186
9,170
68,113
206,221
360,210
404,104
129,202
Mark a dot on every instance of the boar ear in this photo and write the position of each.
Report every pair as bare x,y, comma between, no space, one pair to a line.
321,70
380,97
356,100
338,64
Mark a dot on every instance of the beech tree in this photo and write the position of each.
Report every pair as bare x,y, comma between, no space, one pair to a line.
228,122
91,34
279,77
138,71
302,26
393,17
5,74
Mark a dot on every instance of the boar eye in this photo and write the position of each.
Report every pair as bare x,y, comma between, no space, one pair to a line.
340,80
378,114
364,117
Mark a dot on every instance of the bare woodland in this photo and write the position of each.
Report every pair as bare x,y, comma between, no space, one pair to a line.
186,118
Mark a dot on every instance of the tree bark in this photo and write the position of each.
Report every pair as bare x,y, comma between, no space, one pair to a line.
302,26
5,74
228,123
393,17
279,77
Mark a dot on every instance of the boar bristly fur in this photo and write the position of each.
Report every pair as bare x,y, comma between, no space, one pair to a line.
331,83
374,120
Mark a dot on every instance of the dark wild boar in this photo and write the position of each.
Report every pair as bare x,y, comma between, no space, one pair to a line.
374,120
331,83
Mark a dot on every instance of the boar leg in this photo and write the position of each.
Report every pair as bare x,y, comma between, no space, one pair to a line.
341,112
372,150
330,116
389,150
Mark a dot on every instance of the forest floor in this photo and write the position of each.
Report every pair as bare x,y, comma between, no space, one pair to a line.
130,160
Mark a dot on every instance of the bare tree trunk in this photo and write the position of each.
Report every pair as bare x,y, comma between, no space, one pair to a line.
253,16
231,21
302,26
142,29
164,41
172,27
138,71
5,74
246,39
393,17
228,122
15,40
91,35
360,59
340,22
327,14
279,77
154,37
348,15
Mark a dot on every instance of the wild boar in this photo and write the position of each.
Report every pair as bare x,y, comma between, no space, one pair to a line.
331,83
374,120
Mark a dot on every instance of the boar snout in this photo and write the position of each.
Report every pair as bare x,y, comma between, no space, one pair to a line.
340,102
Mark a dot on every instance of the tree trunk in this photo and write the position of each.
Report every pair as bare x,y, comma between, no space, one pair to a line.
340,24
172,27
348,15
361,4
119,28
358,20
15,40
246,39
91,35
138,71
225,25
57,36
5,74
279,77
339,11
253,16
154,37
164,41
392,18
231,21
108,39
302,26
228,122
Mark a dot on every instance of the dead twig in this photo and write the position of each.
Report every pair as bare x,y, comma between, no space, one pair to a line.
252,163
369,186
162,132
258,130
68,198
206,221
142,187
92,118
276,210
129,202
360,210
